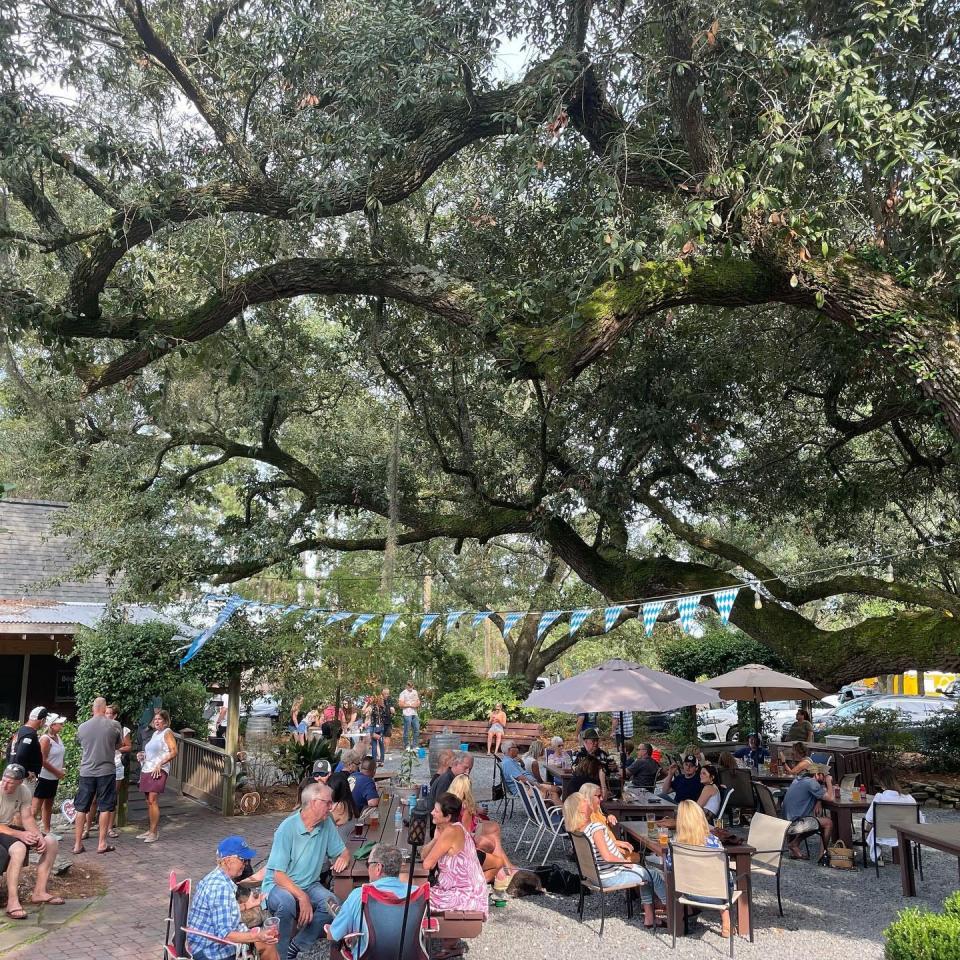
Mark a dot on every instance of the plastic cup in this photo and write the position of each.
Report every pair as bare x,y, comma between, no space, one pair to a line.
422,753
664,836
271,927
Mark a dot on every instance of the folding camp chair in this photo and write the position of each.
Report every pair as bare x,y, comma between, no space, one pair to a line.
502,790
382,921
175,942
550,819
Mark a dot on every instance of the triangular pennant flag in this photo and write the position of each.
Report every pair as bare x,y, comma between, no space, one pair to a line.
427,622
547,621
229,608
388,621
650,613
453,617
480,617
610,617
510,621
687,607
362,618
337,616
724,599
577,618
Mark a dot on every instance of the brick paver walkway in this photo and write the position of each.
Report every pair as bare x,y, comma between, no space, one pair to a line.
127,924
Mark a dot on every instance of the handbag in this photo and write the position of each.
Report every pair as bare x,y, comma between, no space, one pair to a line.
841,856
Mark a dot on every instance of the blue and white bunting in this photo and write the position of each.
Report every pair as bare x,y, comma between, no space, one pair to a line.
337,616
229,608
388,621
510,621
547,619
427,622
480,617
650,613
453,617
724,599
577,618
610,617
687,607
362,618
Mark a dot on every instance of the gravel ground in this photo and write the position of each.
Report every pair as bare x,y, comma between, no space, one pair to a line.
828,913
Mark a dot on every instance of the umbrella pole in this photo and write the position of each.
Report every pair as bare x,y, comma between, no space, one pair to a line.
623,756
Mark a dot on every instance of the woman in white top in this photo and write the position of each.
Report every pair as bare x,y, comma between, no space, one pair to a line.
890,792
113,713
155,759
52,750
531,761
710,797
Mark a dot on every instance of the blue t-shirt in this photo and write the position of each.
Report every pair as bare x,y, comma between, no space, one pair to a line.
801,797
512,772
363,789
755,755
686,788
589,720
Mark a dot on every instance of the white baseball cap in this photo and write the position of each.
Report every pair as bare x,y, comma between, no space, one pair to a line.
53,718
38,713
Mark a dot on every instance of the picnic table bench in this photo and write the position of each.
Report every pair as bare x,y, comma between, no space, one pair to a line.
475,731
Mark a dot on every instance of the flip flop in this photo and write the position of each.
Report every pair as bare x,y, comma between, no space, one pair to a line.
57,901
113,835
20,914
106,849
77,852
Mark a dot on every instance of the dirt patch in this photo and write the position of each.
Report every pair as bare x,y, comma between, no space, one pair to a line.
281,799
78,883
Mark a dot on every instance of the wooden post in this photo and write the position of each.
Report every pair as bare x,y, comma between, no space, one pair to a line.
233,741
122,791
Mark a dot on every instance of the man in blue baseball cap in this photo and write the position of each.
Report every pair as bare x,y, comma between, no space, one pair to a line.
215,911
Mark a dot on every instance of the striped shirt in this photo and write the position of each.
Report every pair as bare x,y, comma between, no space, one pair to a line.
604,866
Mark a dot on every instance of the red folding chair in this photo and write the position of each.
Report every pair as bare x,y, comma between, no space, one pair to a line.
175,944
382,920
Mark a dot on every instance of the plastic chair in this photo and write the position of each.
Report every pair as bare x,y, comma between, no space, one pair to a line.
701,872
590,878
382,921
767,835
550,818
885,815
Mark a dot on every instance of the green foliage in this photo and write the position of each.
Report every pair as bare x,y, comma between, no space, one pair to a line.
295,760
683,729
882,731
939,740
717,651
475,702
918,934
71,756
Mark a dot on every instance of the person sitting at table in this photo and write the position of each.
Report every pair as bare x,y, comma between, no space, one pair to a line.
348,762
683,783
514,771
889,792
591,747
383,868
801,729
460,884
493,858
644,770
531,761
343,809
363,786
453,763
693,830
214,908
710,797
754,753
497,721
803,761
581,813
801,806
319,773
586,770
726,761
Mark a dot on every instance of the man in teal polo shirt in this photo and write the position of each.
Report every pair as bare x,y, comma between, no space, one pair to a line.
291,882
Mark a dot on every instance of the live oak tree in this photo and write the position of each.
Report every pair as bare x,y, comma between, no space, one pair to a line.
669,300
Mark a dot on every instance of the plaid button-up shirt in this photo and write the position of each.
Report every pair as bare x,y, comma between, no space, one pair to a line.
215,910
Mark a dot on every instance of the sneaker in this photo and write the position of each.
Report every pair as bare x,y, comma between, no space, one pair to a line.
333,907
293,952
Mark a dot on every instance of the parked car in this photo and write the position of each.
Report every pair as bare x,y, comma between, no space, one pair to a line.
951,690
914,711
261,707
718,723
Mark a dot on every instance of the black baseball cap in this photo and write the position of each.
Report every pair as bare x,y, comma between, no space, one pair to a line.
690,758
590,734
321,768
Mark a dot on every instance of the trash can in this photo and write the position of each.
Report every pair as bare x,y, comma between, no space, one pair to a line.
439,742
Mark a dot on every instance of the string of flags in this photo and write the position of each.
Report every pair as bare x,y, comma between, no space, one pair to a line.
647,610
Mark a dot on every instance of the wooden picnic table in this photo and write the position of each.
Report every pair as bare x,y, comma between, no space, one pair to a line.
940,836
775,780
633,807
740,853
841,813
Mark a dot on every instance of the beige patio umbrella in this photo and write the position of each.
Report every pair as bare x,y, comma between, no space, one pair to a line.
758,683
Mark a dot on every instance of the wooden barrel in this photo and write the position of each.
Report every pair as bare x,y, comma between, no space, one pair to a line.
438,743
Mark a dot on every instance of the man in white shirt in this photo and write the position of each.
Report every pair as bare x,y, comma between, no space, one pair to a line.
409,702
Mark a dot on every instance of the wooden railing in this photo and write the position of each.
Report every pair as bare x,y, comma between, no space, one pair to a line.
205,773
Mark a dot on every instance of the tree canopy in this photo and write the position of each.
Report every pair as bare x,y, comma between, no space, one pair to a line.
651,297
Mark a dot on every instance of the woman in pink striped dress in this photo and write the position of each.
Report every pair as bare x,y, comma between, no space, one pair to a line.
461,885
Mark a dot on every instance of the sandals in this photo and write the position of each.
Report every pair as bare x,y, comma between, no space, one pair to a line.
658,923
112,834
20,914
78,850
56,901
107,849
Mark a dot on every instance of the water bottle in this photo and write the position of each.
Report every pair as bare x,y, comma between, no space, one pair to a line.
411,803
398,821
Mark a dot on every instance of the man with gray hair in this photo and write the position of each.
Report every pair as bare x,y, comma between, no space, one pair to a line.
383,868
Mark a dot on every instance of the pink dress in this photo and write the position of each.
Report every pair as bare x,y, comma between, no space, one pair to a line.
462,885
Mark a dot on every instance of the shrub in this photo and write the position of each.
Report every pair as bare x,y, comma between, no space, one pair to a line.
918,934
939,740
295,760
882,731
71,757
474,702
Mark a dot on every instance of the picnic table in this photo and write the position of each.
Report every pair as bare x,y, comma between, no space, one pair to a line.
841,813
737,851
561,773
772,780
940,836
634,805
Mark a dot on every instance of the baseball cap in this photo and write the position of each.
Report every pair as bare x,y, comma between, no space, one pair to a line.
53,718
14,771
690,758
235,846
321,768
38,713
591,734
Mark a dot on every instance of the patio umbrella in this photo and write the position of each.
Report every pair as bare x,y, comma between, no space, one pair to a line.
619,686
759,683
